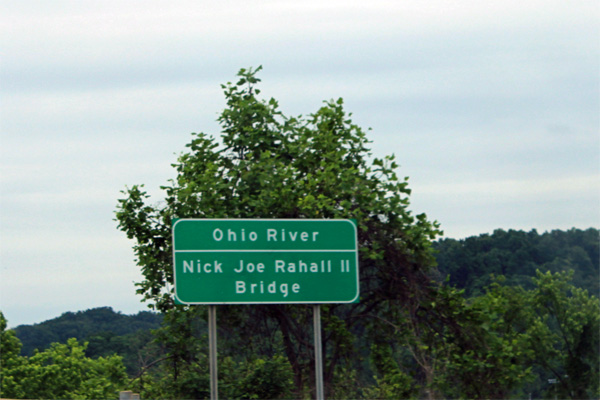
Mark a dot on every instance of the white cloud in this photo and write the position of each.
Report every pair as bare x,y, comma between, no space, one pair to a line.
514,190
491,108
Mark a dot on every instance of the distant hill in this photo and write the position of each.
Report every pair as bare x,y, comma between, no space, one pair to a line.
95,325
470,262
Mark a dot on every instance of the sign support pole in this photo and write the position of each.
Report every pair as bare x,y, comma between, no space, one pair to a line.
318,352
212,350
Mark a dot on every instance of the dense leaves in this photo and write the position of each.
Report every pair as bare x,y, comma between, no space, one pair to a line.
508,342
411,335
471,262
514,319
505,343
268,165
60,372
106,331
568,347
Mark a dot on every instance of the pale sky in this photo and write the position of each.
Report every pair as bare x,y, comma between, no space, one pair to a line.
491,108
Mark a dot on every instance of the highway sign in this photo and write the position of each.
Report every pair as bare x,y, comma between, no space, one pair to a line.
257,261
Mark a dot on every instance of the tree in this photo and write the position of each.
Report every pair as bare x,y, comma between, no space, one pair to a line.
83,325
267,165
461,348
515,336
62,371
567,335
517,255
10,360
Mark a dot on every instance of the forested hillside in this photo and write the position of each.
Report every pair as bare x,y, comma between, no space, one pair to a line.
530,334
83,325
470,263
107,332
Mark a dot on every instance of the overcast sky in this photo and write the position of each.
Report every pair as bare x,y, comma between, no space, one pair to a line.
491,107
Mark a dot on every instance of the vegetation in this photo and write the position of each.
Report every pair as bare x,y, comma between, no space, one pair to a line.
505,343
499,317
106,332
60,372
517,339
410,335
268,165
472,263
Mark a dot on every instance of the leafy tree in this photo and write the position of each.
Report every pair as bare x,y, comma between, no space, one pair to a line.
10,360
261,378
106,331
567,335
424,338
62,371
519,336
135,348
504,343
391,381
471,262
82,325
267,165
462,349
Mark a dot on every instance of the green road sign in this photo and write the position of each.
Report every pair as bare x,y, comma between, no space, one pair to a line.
246,261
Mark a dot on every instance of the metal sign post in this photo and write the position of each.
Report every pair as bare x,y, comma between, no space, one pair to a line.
318,352
265,261
212,351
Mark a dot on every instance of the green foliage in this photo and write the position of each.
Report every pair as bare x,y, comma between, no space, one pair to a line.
471,262
550,331
10,360
567,335
102,321
268,165
504,343
107,333
395,385
261,378
462,349
346,383
489,357
392,382
175,380
62,371
137,349
409,336
181,368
